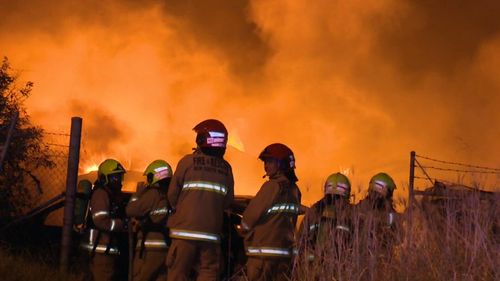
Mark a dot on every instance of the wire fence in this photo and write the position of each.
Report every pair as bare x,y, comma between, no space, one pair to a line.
430,170
53,179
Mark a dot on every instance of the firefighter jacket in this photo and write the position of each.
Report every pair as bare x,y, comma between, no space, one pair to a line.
150,208
379,219
325,219
202,187
106,219
326,225
270,219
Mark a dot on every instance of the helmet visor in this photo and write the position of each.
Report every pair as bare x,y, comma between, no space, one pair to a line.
340,188
115,178
216,139
380,187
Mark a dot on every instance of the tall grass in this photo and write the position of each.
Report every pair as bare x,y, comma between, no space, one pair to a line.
454,237
26,267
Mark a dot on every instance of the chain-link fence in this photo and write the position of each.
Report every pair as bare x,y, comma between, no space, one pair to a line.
52,180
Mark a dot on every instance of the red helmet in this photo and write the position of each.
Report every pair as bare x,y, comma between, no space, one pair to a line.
211,133
281,153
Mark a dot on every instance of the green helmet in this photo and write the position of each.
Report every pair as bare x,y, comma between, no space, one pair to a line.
383,184
84,187
338,184
157,170
109,167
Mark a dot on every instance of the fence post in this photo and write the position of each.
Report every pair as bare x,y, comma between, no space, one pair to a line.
71,182
411,192
13,122
409,211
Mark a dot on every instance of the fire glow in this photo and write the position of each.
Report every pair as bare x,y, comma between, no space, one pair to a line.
235,141
91,168
337,82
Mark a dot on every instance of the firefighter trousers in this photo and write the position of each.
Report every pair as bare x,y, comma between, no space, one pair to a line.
150,266
187,256
268,269
102,267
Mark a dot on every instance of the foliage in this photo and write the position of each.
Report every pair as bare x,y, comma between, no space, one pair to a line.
26,151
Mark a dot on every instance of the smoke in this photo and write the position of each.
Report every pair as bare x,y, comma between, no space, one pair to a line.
351,86
101,132
225,28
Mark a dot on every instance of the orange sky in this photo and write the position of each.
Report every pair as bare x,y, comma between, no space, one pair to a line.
348,85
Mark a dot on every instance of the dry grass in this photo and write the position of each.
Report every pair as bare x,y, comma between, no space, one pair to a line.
26,267
445,240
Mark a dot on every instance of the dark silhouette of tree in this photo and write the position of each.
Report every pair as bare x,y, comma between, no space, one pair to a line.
26,151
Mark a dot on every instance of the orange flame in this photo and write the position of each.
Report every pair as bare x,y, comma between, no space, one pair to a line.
90,168
235,141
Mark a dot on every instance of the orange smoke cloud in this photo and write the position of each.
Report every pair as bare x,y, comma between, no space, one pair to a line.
348,86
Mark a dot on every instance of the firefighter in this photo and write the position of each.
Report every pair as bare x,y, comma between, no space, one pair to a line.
379,205
106,221
149,207
268,223
378,223
327,224
199,193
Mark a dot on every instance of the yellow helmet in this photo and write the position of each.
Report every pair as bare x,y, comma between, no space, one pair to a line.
383,184
109,167
157,170
338,184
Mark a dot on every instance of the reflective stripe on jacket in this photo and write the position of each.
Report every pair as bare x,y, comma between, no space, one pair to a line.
152,244
194,235
88,244
100,249
269,252
284,208
207,186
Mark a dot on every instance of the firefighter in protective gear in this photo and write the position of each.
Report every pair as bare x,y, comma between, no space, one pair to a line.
106,221
149,206
201,189
327,224
378,223
268,223
379,200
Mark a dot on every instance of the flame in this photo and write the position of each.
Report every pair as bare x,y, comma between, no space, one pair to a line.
90,161
235,141
345,171
91,168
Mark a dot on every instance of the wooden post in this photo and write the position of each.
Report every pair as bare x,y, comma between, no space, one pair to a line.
71,185
409,211
411,191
